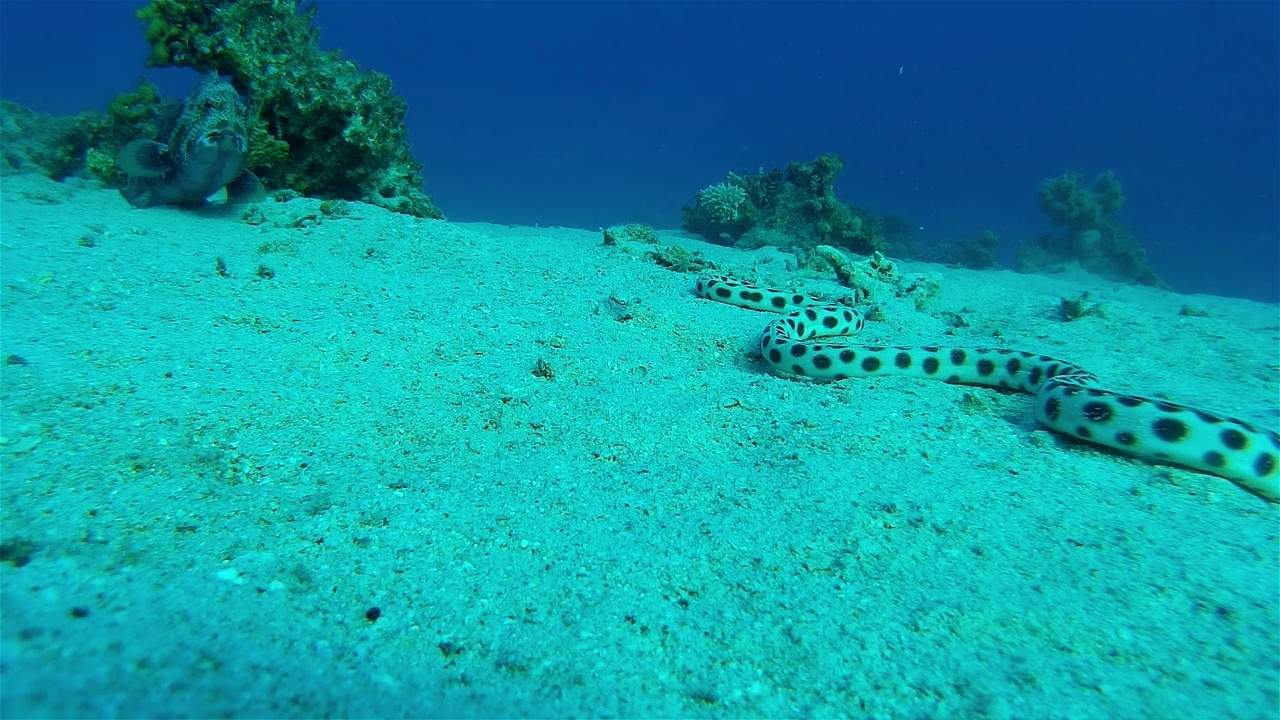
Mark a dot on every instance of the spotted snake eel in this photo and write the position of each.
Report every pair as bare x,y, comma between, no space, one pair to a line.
1068,398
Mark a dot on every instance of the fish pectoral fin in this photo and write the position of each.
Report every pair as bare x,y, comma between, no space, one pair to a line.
138,194
245,189
143,159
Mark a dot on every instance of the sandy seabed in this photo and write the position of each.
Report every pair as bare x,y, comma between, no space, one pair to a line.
570,490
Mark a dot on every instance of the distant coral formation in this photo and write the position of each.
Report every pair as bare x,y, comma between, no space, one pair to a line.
723,202
1093,236
324,127
33,142
977,252
62,147
796,210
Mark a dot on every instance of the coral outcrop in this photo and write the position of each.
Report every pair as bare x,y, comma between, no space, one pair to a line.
324,127
321,127
1090,233
796,209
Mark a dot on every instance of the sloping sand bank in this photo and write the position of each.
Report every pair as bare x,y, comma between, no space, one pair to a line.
212,472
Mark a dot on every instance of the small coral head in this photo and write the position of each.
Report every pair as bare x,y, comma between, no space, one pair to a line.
722,202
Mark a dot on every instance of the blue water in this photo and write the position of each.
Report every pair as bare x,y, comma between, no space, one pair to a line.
589,114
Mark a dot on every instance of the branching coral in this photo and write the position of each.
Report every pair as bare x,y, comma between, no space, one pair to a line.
722,202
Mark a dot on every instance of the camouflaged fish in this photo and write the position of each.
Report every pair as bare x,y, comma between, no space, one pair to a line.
199,152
